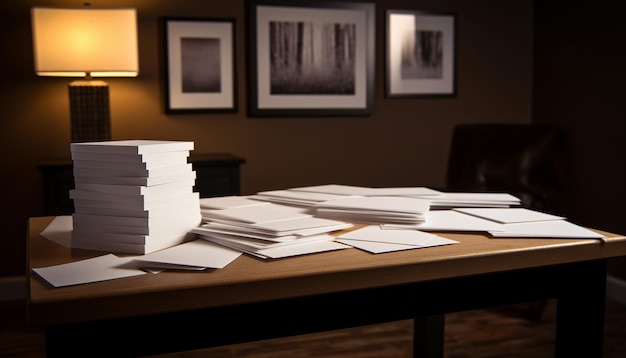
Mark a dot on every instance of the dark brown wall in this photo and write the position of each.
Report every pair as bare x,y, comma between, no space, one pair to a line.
403,143
579,85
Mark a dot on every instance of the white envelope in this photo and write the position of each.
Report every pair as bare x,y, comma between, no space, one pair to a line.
101,268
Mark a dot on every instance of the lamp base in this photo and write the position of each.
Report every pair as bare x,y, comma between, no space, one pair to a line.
89,111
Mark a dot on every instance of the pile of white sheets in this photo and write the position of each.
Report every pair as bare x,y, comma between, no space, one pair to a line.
266,230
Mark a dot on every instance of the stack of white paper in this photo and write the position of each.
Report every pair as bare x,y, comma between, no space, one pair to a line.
225,202
467,200
133,196
450,220
418,191
313,195
375,209
269,230
352,190
295,197
337,189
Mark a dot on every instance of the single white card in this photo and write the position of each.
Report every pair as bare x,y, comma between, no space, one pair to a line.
200,253
59,230
101,268
543,229
376,234
376,247
302,249
383,247
509,215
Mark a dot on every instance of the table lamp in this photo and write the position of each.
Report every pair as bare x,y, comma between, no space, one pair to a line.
86,42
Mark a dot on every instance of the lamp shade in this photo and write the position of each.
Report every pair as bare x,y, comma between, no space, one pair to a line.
74,42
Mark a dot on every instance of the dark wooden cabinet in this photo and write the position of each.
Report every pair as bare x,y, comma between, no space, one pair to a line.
217,174
58,180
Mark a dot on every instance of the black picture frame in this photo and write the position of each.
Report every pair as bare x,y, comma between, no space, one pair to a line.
420,54
200,65
289,74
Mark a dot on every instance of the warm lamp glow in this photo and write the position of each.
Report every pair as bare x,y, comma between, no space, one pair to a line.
74,42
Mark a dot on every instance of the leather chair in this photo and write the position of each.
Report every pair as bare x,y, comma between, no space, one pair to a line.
524,160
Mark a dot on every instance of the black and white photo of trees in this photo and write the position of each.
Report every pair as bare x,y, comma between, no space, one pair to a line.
309,58
422,54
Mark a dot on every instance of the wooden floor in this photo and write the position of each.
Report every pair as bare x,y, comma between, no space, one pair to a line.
498,332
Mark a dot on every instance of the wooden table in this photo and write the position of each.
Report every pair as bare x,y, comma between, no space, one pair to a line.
251,299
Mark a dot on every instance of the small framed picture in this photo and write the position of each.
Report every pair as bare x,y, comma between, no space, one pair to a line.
313,58
421,55
200,65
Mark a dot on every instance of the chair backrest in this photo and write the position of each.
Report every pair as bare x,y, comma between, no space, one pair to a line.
525,160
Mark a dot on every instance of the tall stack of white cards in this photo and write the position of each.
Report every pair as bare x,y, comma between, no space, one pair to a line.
133,196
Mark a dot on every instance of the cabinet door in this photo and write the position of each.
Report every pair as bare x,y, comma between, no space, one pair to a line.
217,174
58,180
218,180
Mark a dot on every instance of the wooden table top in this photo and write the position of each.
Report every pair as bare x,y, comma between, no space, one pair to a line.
249,279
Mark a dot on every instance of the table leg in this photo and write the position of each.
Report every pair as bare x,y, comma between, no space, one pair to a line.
428,336
580,311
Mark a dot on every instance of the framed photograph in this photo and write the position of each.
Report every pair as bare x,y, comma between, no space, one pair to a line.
312,58
421,56
200,65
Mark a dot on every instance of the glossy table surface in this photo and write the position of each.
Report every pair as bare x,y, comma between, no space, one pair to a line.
249,280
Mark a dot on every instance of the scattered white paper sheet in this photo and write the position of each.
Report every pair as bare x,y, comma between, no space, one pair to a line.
383,247
302,249
377,234
198,253
509,215
376,247
59,230
377,240
449,220
544,229
101,268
